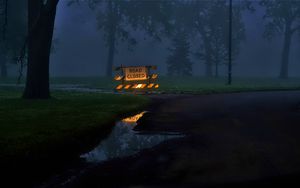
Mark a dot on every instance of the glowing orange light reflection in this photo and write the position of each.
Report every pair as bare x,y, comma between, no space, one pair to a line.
133,119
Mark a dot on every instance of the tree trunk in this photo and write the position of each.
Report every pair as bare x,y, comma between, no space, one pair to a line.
3,59
285,54
111,54
111,39
208,59
3,66
207,49
208,69
208,63
217,62
41,18
217,69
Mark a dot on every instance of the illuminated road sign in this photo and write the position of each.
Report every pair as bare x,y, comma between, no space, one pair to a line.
136,78
135,73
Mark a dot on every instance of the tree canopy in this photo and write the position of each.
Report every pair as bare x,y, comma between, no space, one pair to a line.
282,18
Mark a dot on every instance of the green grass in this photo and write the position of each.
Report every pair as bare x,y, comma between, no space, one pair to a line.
198,85
218,85
34,128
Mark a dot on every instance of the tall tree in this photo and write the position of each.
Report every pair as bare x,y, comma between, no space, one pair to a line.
118,18
211,23
153,17
282,17
16,30
13,31
3,62
179,63
112,21
3,38
41,18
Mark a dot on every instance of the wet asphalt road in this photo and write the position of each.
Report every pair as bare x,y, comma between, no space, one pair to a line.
232,140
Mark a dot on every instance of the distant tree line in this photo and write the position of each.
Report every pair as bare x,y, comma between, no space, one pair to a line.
204,20
183,22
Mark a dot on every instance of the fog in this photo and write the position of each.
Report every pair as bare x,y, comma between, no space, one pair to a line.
82,52
80,49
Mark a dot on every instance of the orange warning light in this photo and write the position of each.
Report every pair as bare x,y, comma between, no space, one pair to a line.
154,76
127,86
150,86
118,77
119,87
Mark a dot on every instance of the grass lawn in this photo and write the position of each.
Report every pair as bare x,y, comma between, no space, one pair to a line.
35,128
196,85
200,85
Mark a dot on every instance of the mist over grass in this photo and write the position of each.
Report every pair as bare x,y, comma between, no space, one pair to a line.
180,84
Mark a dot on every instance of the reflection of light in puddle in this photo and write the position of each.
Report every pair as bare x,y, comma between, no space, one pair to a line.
133,119
123,141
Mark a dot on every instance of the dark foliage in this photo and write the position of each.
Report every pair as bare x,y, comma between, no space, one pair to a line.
283,18
179,63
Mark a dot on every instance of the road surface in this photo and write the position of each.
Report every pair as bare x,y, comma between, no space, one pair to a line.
231,140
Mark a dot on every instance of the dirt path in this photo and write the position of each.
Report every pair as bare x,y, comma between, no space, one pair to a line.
243,139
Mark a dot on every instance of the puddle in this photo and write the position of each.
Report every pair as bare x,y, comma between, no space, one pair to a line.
124,141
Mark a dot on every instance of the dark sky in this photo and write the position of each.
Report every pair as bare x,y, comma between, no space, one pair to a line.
81,50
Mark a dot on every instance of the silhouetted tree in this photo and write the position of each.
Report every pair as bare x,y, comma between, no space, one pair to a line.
282,17
211,22
3,38
153,17
41,18
3,63
118,17
112,21
16,30
3,60
179,63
